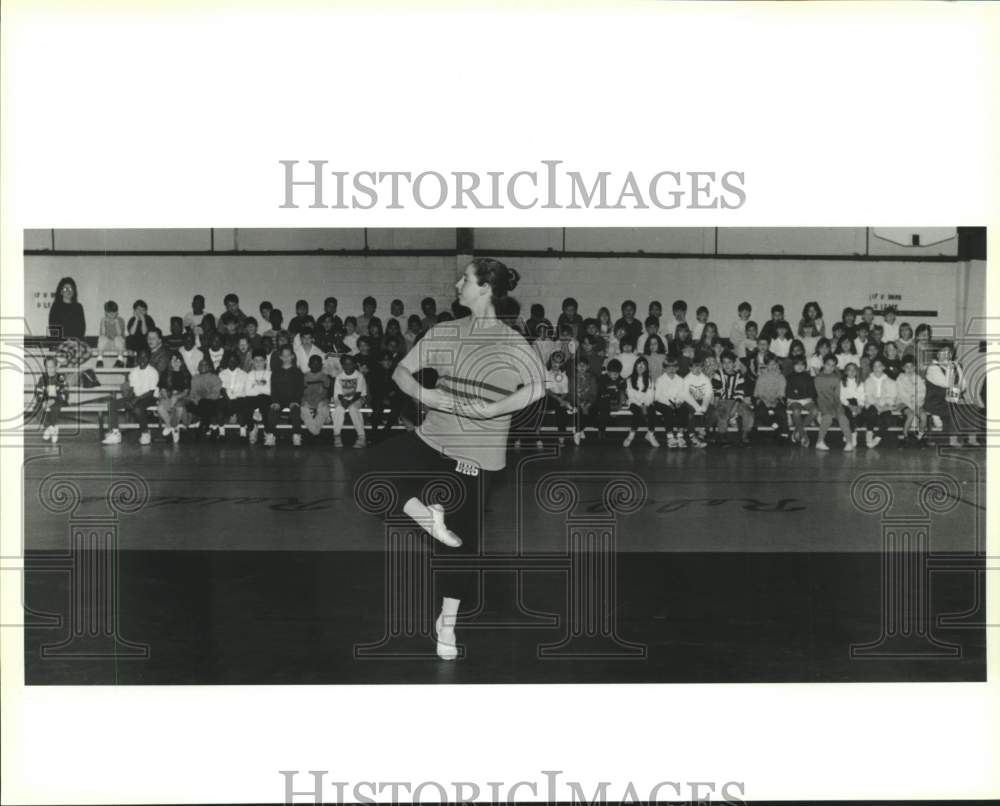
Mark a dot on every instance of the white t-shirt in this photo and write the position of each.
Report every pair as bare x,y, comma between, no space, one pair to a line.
258,382
191,358
890,332
345,385
234,381
144,380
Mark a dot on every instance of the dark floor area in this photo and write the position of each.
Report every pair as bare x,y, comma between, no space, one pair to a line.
271,617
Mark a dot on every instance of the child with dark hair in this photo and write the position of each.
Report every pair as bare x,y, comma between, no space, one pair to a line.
769,394
890,328
945,387
192,355
304,348
656,309
632,326
592,354
368,306
208,330
652,328
571,316
531,325
703,345
302,319
860,338
51,394
782,341
138,327
700,320
413,331
610,394
627,357
827,383
255,339
672,404
795,352
393,334
192,319
846,352
679,310
847,319
351,334
215,351
138,394
557,394
699,390
232,397
768,331
730,396
655,351
823,349
111,336
800,393
383,393
315,408
749,343
583,393
175,339
265,309
349,391
615,339
232,303
737,331
428,305
244,353
229,330
175,388
811,326
330,305
911,393
891,359
258,395
757,359
397,315
206,394
639,391
286,393
880,403
870,354
605,327
275,320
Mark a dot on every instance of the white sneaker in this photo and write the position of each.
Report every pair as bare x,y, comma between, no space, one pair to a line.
854,439
337,442
112,438
447,649
269,440
145,438
577,437
176,433
47,433
652,440
628,439
55,434
681,443
360,443
167,431
849,447
874,441
296,439
439,531
671,440
243,432
252,436
822,446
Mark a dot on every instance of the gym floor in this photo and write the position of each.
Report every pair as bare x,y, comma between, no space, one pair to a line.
256,565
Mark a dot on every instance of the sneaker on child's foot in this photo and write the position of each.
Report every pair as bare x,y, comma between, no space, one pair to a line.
112,438
176,433
822,446
145,438
628,440
681,442
849,446
337,442
47,433
296,439
252,436
119,364
360,443
874,441
577,436
166,431
270,440
243,432
100,363
652,440
55,434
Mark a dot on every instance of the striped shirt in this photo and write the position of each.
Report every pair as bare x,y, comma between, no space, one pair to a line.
477,361
728,387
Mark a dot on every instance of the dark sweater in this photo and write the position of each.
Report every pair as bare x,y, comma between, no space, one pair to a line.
66,320
610,391
800,386
286,385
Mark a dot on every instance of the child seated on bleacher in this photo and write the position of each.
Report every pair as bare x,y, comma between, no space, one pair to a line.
911,391
111,336
258,396
315,397
51,394
205,398
138,327
880,403
286,392
800,393
138,394
828,403
349,390
769,394
699,390
175,389
232,399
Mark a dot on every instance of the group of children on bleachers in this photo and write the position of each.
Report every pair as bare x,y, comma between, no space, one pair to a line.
693,383
685,378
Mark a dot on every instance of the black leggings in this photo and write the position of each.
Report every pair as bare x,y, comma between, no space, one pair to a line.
407,453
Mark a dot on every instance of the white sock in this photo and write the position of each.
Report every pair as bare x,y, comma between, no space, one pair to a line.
449,613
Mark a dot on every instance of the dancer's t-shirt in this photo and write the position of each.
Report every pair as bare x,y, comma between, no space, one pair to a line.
476,360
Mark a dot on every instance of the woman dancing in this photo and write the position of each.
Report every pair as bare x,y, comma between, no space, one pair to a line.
485,372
